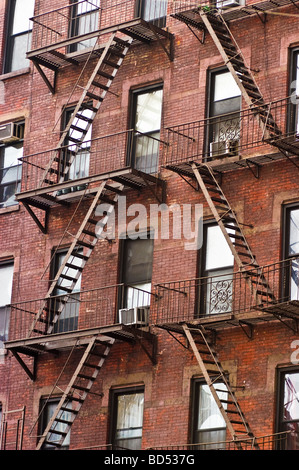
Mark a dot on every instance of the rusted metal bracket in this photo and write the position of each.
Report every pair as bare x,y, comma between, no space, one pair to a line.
141,336
31,374
244,324
42,226
170,51
50,85
202,39
257,167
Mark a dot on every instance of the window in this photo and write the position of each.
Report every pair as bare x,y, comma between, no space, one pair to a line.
217,264
19,34
10,172
154,11
127,418
48,406
223,131
137,272
68,318
6,277
208,425
78,153
288,407
291,251
146,122
293,123
85,19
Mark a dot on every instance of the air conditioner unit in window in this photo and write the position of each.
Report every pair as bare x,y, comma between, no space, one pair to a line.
134,316
11,132
225,147
227,3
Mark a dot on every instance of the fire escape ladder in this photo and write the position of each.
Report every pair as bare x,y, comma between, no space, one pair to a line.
235,62
228,223
214,374
81,249
76,392
91,99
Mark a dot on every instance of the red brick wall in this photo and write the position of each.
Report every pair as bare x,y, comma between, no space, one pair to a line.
251,362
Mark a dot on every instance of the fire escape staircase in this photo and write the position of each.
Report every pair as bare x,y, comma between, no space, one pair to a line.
214,374
219,30
92,96
233,233
76,392
95,91
69,272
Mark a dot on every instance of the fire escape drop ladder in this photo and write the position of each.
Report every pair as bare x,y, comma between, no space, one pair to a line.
76,392
214,375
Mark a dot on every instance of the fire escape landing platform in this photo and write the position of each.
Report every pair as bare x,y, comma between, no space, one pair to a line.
55,56
187,12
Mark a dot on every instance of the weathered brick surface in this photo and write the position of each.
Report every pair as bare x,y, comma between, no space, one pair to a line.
257,202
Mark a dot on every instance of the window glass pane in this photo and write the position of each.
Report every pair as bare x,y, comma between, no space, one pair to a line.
6,276
20,45
218,253
147,152
129,420
209,416
148,111
139,295
11,154
4,324
65,415
294,289
154,9
225,87
138,255
294,232
84,7
291,397
68,271
24,9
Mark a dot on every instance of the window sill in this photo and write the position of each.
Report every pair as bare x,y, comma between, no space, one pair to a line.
16,73
6,210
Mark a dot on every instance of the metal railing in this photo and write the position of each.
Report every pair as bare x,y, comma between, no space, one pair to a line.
277,441
96,157
229,294
247,133
82,310
84,20
171,302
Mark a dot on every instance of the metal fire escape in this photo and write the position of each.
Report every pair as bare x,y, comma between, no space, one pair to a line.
213,22
97,345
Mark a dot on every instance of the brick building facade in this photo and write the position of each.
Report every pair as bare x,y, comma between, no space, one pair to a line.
139,341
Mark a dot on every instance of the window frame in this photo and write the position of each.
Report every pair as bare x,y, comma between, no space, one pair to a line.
69,322
123,294
74,26
286,270
3,263
113,397
293,108
280,383
140,9
66,115
16,183
10,39
132,141
43,422
203,273
196,383
213,117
